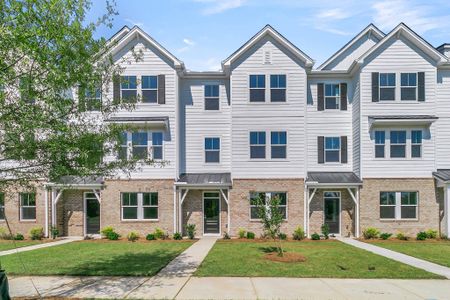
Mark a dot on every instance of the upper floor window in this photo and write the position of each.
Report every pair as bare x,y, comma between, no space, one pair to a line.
398,143
135,144
263,198
123,147
258,144
139,206
332,149
139,140
93,99
128,88
2,206
380,142
278,88
257,88
212,150
157,145
278,144
387,86
398,205
212,101
149,89
332,96
409,86
416,143
27,206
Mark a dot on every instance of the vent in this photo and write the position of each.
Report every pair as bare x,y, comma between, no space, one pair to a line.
267,57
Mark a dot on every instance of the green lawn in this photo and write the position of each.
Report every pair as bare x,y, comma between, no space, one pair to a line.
9,244
324,259
103,258
433,251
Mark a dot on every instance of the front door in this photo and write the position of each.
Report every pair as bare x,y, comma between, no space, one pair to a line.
331,210
211,213
92,214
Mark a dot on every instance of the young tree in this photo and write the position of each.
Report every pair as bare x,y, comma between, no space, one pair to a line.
271,218
48,54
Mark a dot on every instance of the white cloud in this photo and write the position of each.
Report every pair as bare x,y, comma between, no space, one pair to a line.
333,14
219,6
188,42
188,45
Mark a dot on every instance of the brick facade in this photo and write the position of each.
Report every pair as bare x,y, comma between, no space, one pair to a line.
70,213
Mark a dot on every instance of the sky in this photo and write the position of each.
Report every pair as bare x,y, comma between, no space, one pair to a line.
202,33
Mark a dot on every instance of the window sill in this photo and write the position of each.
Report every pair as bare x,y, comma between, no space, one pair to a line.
28,221
399,101
268,160
140,221
398,220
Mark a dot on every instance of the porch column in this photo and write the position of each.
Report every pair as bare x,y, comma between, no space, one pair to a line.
309,199
46,211
447,209
53,206
174,209
357,213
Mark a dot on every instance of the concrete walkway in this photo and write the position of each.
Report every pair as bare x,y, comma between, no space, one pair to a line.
64,240
400,257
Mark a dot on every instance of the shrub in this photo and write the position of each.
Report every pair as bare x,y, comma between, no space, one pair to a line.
241,233
19,237
282,236
325,230
431,234
385,235
299,234
133,236
250,235
37,233
226,236
54,231
177,236
315,236
190,230
113,236
371,233
421,236
159,234
150,237
401,236
106,230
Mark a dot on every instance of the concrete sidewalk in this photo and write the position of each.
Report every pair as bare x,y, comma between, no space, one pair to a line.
40,246
400,257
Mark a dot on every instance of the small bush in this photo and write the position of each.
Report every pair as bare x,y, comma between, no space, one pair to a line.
444,237
241,233
177,236
191,230
299,234
113,236
315,236
282,236
421,236
325,230
401,236
7,236
150,237
226,236
431,234
159,234
250,235
371,233
106,230
133,236
37,233
385,235
19,237
54,231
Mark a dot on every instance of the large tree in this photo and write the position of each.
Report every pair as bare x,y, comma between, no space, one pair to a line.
48,54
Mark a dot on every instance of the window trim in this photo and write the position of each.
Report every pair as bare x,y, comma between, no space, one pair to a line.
211,97
148,89
410,86
325,150
21,219
398,206
153,146
398,144
211,150
128,89
417,144
257,88
140,207
267,194
387,86
150,146
380,144
279,145
278,88
250,145
337,98
146,146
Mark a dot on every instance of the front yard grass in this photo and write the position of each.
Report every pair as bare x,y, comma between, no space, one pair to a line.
96,258
434,251
9,244
331,259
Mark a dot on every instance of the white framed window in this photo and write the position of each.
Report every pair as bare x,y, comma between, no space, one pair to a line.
387,86
398,143
212,150
408,89
27,206
380,143
257,88
416,143
149,86
139,142
277,88
399,205
123,147
2,206
157,145
332,149
257,144
93,98
139,206
278,141
332,96
265,197
212,99
128,88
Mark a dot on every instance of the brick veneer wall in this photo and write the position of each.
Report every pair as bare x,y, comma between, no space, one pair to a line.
111,207
429,208
70,213
240,203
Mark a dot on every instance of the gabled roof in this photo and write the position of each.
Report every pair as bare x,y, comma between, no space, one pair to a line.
136,31
269,30
413,37
442,174
370,29
119,34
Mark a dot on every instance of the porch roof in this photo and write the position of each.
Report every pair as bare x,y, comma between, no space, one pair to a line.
402,119
204,179
333,179
146,121
442,174
78,182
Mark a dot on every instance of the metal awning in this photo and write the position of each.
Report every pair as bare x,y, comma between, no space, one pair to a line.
204,180
442,175
344,179
78,182
141,121
402,120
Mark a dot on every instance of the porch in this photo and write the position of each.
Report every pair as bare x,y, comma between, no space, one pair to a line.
442,177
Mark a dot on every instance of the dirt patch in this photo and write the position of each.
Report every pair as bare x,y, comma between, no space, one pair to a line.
287,257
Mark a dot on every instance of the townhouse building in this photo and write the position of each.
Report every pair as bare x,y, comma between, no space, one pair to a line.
361,141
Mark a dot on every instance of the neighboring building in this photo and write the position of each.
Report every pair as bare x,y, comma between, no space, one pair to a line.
362,141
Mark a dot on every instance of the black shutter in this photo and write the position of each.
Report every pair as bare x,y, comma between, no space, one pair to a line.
161,89
81,98
116,89
375,86
320,96
343,96
320,152
421,86
343,149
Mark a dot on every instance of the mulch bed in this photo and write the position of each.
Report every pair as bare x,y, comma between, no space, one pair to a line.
287,257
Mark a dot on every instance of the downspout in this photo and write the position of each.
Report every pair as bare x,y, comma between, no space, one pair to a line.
46,211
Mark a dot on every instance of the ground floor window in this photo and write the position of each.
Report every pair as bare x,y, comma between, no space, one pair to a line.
28,206
2,206
264,197
139,206
399,205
